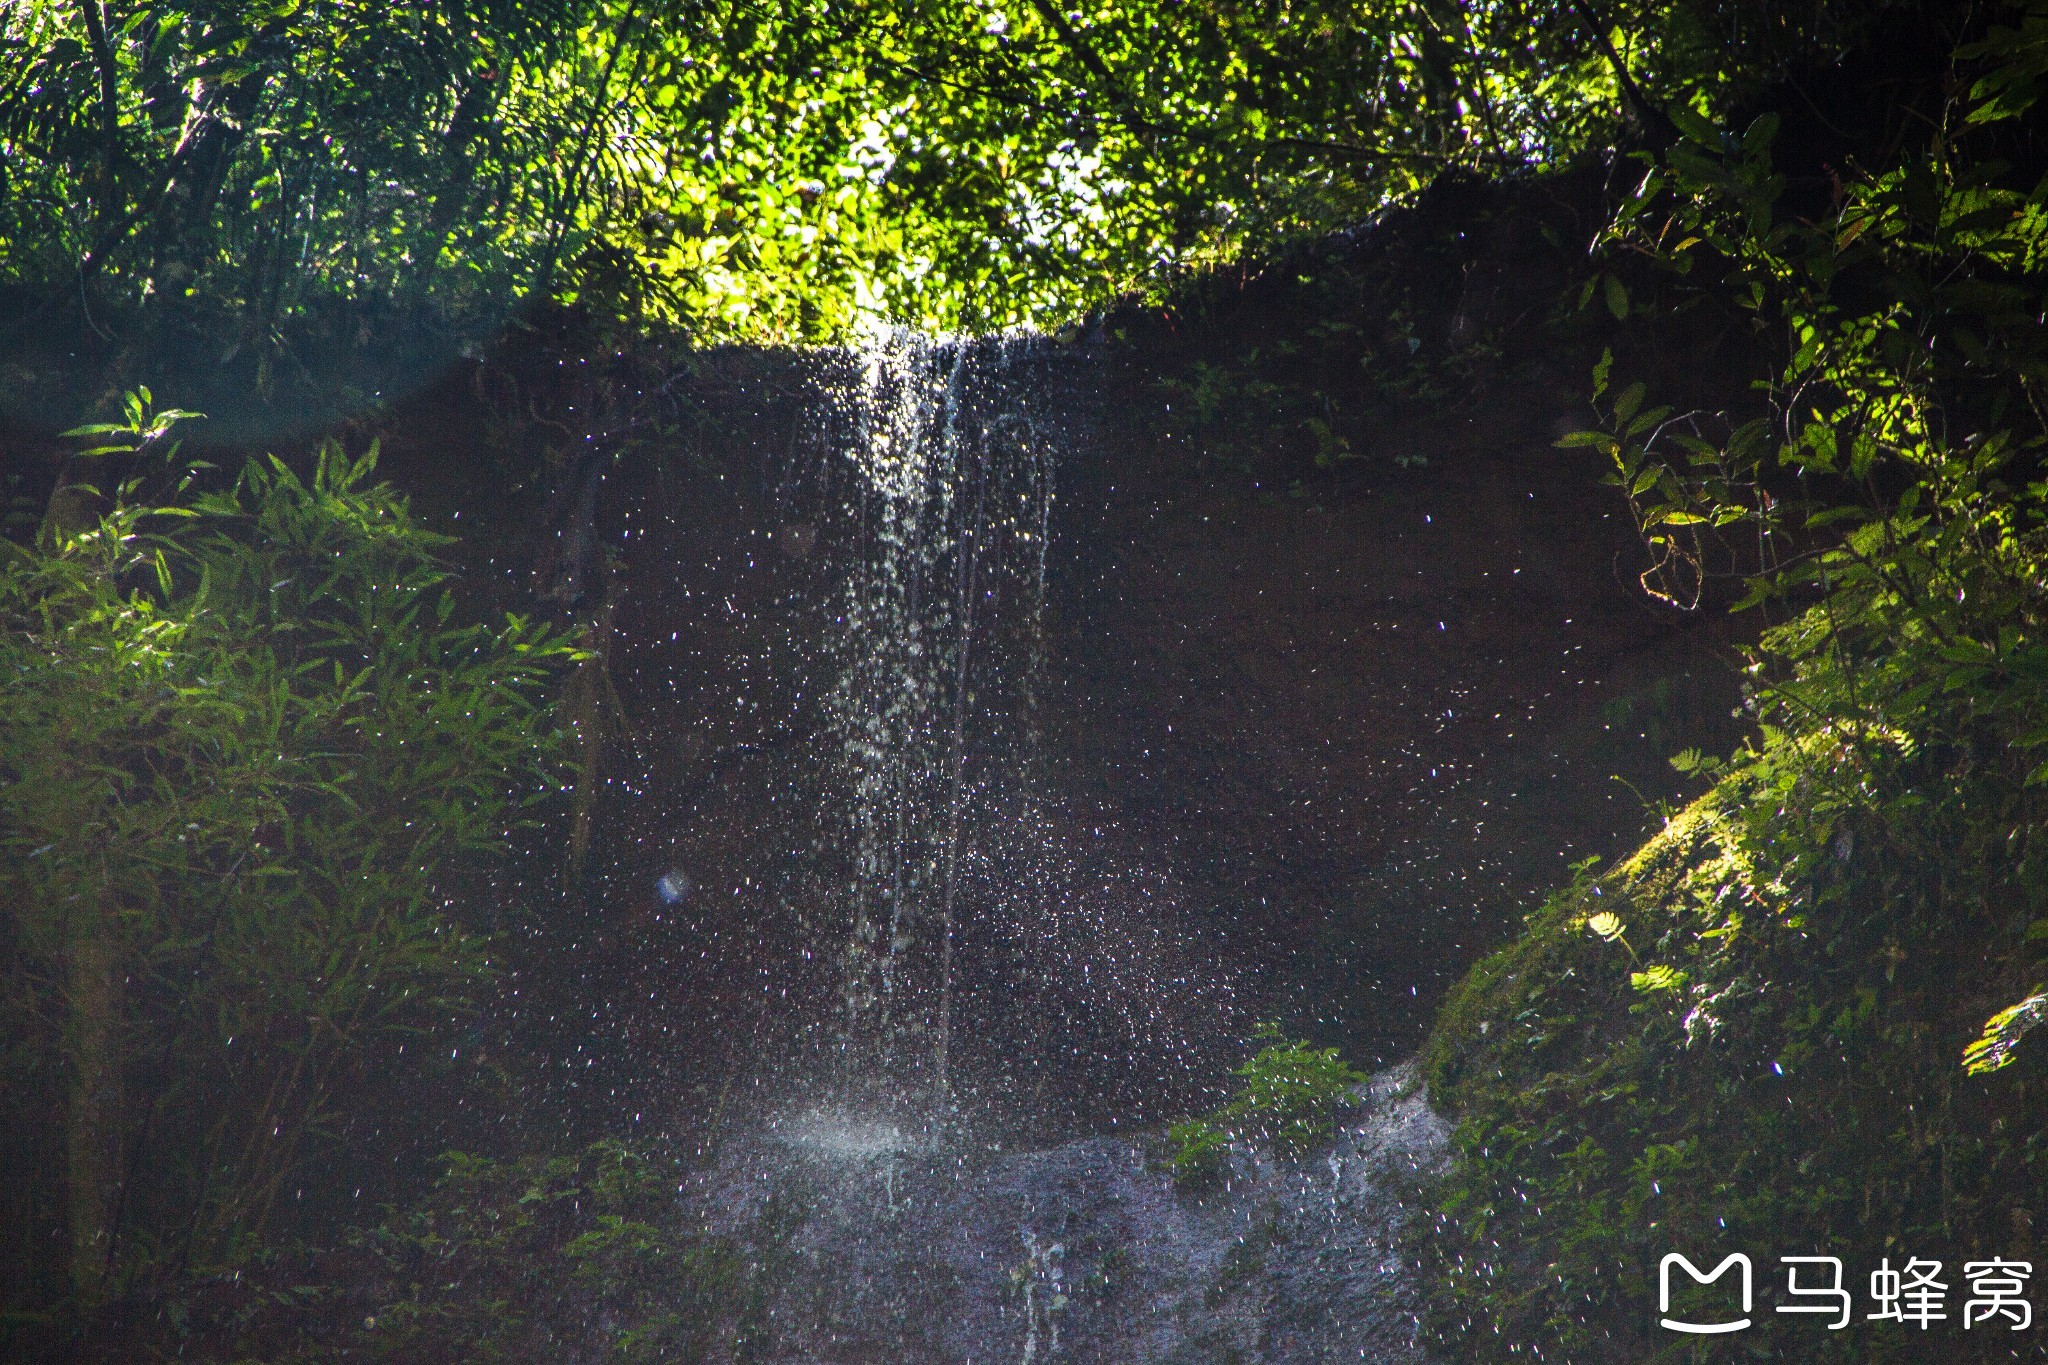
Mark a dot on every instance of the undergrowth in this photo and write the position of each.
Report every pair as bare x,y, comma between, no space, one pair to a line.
1745,1038
1288,1099
584,1256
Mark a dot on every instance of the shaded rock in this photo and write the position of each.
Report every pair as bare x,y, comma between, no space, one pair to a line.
868,1244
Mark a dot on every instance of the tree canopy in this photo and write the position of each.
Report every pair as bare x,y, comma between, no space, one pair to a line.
773,170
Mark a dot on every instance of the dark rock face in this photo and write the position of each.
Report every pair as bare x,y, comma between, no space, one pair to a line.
1270,740
872,1247
1368,735
1292,757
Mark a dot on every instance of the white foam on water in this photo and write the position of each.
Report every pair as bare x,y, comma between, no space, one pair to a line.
847,1136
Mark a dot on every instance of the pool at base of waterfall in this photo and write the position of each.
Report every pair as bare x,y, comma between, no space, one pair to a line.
876,1246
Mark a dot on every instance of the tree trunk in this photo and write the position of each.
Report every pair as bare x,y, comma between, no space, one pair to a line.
590,702
93,1149
95,1155
106,194
472,108
216,124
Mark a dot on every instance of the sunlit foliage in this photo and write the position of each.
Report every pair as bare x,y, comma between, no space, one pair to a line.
772,170
1287,1096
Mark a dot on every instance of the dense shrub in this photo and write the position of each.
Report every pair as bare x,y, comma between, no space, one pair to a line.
582,1256
247,755
1745,1038
1752,1035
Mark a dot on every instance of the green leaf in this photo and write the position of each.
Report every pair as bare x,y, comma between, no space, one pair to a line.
1696,127
1656,978
2002,1034
1647,421
1757,138
1617,296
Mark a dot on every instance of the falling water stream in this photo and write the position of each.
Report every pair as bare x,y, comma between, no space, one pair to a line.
941,637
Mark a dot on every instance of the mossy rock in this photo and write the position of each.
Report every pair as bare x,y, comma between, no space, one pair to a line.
1746,1037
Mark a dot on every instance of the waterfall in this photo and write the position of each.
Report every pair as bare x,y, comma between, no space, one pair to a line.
944,456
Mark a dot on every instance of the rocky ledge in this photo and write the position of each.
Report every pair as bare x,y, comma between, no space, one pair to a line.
868,1245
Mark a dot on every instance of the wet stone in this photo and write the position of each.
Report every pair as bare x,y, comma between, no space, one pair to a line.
875,1243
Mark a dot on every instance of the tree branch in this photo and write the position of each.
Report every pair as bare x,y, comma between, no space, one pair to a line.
1111,86
1647,110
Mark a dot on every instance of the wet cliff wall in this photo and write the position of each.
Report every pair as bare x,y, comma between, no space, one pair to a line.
1345,663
